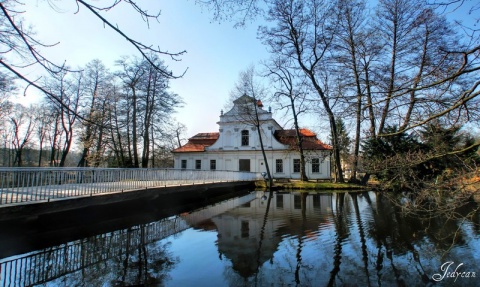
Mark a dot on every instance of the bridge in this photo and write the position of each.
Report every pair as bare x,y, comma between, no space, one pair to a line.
25,185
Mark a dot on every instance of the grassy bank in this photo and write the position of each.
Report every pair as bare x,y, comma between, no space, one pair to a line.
311,185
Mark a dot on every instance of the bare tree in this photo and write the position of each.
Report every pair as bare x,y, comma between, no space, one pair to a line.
7,88
69,92
23,126
351,32
131,76
96,87
290,86
303,31
157,103
23,49
250,111
116,133
149,105
44,121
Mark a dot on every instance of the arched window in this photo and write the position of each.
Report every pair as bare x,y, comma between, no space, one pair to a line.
245,138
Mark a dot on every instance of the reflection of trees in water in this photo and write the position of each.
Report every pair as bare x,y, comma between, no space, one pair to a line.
124,257
362,237
262,234
341,233
359,239
144,263
444,230
426,240
136,260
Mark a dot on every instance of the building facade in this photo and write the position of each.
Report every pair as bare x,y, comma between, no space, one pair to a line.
237,145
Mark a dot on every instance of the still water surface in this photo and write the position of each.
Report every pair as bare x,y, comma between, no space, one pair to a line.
288,239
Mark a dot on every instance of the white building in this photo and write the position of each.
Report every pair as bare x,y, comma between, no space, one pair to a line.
237,146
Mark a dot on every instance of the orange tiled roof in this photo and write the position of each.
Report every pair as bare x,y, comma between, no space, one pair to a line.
198,142
310,141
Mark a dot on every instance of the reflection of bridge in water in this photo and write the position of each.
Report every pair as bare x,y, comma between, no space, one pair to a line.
48,264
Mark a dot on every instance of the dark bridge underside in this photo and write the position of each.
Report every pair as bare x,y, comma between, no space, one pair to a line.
175,194
36,225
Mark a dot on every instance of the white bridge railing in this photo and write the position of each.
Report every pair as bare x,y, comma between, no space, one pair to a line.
36,184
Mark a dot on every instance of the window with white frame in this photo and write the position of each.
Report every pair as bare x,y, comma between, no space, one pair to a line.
245,138
279,165
315,165
296,165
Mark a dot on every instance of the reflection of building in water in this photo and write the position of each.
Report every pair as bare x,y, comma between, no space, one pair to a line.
249,238
108,251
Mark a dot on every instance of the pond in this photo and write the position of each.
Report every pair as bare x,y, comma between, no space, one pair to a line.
287,239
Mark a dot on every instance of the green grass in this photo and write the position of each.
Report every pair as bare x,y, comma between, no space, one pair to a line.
311,185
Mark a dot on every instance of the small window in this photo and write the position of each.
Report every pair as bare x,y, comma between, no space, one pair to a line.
245,138
245,229
315,165
279,200
184,164
279,165
296,165
244,165
213,164
316,201
297,202
198,164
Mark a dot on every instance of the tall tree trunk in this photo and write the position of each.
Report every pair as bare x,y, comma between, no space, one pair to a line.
129,161
54,143
66,149
391,82
134,129
371,113
257,126
153,148
146,124
299,138
18,158
40,153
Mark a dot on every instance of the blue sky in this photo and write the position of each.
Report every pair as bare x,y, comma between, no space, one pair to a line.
216,53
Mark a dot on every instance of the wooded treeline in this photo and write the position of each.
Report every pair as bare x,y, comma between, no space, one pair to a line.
120,118
387,70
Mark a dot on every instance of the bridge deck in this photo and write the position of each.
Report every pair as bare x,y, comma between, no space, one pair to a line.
21,185
46,193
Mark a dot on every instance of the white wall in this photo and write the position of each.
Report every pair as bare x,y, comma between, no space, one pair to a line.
223,159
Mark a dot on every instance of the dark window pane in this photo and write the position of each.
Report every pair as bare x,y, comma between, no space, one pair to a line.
244,165
245,138
279,198
315,165
297,202
296,165
245,229
278,165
